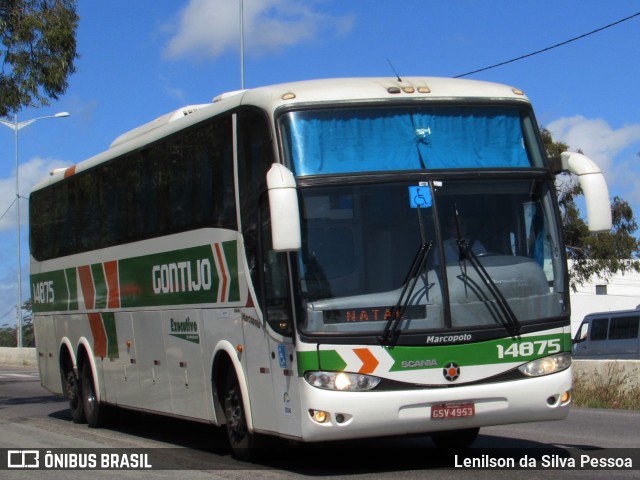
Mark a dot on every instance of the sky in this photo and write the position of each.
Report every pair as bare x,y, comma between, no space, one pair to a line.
141,59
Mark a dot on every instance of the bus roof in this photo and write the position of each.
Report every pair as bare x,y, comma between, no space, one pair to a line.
335,90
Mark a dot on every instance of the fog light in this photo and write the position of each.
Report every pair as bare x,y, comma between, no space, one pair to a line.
319,415
566,397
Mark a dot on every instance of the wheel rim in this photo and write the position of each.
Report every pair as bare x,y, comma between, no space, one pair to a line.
234,413
72,390
89,393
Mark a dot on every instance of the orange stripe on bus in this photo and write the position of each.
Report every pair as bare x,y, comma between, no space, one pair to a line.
69,171
88,290
225,279
99,335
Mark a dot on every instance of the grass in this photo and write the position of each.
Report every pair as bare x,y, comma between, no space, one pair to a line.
609,387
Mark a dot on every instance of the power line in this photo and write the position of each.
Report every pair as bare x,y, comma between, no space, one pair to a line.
579,37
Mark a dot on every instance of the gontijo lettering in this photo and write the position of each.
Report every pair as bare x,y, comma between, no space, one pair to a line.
181,277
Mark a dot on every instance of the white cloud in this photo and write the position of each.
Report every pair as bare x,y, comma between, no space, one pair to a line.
209,28
31,173
596,138
614,150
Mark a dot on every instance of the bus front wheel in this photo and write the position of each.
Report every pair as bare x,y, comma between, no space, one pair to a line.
241,440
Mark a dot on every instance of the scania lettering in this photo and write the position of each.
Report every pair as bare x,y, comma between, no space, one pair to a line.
312,261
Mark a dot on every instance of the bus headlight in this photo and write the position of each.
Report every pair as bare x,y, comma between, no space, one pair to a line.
547,365
343,381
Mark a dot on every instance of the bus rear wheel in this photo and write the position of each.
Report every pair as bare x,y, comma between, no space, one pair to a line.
455,438
96,413
73,392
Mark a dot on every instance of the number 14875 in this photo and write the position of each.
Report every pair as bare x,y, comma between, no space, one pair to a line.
527,349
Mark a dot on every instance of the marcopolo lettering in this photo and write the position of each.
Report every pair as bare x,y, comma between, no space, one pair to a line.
465,337
178,277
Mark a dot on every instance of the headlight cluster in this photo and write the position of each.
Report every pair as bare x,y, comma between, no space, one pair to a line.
547,365
343,381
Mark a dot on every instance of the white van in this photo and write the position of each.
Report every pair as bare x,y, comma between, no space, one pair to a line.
609,335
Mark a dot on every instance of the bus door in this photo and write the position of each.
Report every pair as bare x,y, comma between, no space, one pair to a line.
270,354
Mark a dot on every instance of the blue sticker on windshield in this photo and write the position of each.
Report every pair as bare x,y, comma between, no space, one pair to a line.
420,197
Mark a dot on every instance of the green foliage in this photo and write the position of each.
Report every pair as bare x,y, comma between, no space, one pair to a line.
589,254
37,51
8,336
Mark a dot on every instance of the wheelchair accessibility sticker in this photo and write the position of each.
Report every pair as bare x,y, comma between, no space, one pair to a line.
420,196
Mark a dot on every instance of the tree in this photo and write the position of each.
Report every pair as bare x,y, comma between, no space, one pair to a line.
8,333
37,51
589,254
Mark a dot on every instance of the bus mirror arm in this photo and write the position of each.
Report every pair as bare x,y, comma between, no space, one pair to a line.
594,187
283,207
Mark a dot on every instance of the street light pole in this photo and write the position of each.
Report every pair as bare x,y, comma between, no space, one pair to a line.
16,127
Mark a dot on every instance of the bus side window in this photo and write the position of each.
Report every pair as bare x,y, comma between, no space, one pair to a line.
268,270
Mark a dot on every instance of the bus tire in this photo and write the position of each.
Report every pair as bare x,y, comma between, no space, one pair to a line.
73,392
241,440
95,412
455,438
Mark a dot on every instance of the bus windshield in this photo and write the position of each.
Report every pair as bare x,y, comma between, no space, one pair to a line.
424,250
489,242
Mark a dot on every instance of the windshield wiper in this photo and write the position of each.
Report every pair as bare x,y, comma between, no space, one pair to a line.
392,328
509,319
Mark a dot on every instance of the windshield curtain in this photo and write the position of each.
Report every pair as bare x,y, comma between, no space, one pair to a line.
406,138
360,242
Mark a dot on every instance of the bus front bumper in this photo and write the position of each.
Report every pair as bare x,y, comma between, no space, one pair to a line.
334,415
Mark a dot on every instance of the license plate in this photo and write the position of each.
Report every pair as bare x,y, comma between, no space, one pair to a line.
452,410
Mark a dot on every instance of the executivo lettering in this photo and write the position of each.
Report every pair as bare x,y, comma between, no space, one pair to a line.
186,326
182,277
184,329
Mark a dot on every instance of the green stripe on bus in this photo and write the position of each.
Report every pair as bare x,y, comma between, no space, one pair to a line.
329,360
178,277
71,281
100,285
109,322
231,254
505,350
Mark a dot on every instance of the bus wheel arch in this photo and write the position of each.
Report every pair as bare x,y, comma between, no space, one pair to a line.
231,403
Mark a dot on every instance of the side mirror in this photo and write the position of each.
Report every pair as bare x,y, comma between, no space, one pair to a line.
283,206
594,187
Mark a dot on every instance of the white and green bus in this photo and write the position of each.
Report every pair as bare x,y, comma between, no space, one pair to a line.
280,261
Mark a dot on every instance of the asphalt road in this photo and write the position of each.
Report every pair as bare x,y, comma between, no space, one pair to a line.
32,418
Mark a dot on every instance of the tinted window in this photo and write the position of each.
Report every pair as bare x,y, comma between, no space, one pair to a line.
599,329
180,183
623,328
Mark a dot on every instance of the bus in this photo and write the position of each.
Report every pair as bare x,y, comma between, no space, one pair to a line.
275,262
